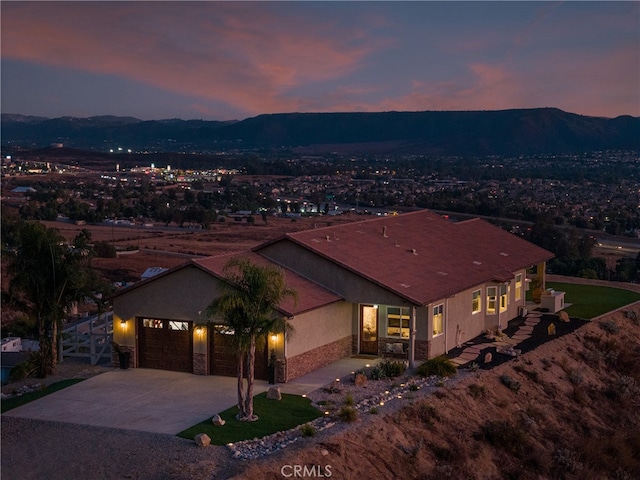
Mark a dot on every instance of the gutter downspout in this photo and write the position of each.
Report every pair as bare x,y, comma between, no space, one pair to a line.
446,324
412,339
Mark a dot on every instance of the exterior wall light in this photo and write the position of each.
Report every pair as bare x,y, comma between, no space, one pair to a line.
274,337
123,323
199,331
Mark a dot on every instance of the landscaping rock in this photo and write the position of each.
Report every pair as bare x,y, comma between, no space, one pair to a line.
217,420
564,316
360,380
202,439
274,393
488,357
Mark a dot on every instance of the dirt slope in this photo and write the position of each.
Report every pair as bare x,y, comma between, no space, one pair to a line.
575,415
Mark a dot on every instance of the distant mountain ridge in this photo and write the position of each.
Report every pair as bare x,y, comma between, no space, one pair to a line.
537,130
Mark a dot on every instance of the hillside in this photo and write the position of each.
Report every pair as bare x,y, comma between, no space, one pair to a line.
524,131
575,416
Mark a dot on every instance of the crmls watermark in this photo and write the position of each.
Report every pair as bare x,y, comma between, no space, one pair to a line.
306,471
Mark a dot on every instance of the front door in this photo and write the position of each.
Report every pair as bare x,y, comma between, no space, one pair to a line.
369,329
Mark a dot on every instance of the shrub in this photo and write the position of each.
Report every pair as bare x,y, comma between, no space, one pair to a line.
503,434
348,414
510,383
427,413
476,391
440,366
392,368
610,326
373,410
308,430
348,400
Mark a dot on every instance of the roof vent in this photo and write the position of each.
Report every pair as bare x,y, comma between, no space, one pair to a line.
504,254
327,238
397,244
476,262
412,250
443,273
384,231
404,285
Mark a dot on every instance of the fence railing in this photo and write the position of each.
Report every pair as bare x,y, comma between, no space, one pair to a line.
90,338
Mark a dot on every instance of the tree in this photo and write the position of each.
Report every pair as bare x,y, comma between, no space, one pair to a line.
47,277
249,306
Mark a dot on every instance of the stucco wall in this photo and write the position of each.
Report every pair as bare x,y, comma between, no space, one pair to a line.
458,315
319,327
333,277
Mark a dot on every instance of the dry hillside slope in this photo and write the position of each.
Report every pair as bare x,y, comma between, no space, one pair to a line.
572,411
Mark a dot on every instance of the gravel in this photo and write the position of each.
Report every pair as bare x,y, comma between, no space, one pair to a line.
34,449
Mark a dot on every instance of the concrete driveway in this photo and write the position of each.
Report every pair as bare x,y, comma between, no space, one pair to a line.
159,401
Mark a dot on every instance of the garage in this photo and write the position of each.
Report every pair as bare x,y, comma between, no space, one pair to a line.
165,344
223,354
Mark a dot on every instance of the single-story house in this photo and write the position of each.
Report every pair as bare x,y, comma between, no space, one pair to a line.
415,283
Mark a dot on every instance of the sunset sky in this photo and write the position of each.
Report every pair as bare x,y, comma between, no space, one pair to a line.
233,60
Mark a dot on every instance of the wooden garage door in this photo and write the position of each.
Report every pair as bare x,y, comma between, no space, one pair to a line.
165,344
223,356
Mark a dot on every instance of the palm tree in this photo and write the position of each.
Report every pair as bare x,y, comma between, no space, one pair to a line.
47,277
249,307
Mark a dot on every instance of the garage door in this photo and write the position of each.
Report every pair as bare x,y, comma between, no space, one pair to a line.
223,357
165,344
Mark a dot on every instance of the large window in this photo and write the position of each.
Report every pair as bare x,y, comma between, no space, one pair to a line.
397,322
503,297
492,296
476,301
178,325
518,286
438,320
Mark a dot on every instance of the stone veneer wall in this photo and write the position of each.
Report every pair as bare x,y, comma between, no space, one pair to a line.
200,364
115,358
318,357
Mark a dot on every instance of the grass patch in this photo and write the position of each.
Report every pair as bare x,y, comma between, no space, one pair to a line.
15,402
589,301
274,416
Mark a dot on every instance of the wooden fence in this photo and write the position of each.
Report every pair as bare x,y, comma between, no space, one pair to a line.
90,339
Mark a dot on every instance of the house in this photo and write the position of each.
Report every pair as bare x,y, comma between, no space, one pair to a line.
414,282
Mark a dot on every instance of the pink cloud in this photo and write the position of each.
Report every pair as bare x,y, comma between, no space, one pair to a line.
240,54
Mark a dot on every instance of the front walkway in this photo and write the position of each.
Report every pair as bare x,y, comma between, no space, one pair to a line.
470,353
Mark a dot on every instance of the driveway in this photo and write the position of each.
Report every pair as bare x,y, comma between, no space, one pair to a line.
159,401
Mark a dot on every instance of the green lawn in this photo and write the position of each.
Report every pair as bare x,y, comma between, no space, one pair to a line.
588,301
15,402
274,416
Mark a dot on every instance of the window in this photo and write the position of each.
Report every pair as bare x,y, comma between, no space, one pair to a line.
518,286
492,294
397,322
438,326
476,301
151,323
178,325
503,297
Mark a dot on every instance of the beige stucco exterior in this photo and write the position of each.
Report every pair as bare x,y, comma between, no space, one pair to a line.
319,327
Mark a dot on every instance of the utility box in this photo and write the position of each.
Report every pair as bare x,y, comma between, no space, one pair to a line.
552,301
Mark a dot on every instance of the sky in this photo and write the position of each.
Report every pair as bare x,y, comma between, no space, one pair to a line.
233,60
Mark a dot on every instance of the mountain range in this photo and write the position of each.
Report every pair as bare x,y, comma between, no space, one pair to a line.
502,132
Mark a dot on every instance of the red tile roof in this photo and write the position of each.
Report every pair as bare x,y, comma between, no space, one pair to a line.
310,295
420,256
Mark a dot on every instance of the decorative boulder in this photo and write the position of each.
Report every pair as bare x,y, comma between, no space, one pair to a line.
564,316
202,439
274,393
551,329
217,420
360,380
488,357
